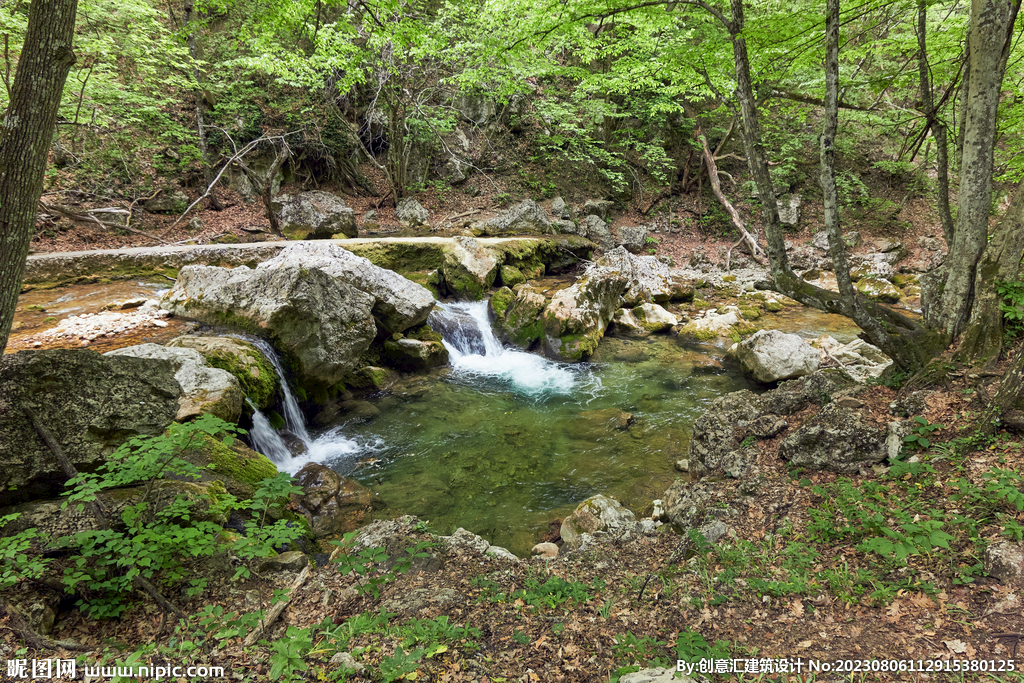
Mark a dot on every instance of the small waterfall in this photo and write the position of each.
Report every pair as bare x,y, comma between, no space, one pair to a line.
323,448
477,353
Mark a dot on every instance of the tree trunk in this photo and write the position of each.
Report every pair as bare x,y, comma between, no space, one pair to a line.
948,307
25,138
983,338
754,148
935,123
1008,404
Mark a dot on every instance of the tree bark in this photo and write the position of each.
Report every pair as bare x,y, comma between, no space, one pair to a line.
754,148
1000,262
934,122
25,139
948,307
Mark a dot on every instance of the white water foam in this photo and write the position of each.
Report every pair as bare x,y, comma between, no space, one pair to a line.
475,353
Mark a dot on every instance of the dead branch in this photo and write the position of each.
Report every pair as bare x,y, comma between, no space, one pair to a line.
276,610
89,216
22,629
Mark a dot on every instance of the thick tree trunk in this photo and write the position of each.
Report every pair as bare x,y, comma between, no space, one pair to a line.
948,307
25,139
934,122
983,338
1008,404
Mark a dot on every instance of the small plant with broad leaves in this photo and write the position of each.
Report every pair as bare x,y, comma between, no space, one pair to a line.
920,431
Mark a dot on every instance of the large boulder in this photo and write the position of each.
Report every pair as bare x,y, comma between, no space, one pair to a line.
881,266
398,303
878,290
469,268
649,280
89,402
597,513
713,325
413,355
771,355
411,212
525,218
516,314
575,320
595,228
837,439
255,374
321,323
204,389
633,238
313,215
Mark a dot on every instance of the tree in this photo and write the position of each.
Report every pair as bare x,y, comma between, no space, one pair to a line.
25,140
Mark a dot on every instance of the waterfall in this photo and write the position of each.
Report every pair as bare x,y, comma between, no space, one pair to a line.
476,353
325,447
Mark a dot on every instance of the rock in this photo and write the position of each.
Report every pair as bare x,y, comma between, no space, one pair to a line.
837,439
820,241
771,355
346,660
334,504
291,561
423,600
601,208
411,212
204,389
690,505
525,218
931,243
511,276
237,467
559,209
861,360
648,279
563,226
547,551
369,221
322,324
169,201
597,513
594,228
890,246
313,215
633,238
255,374
463,542
469,268
714,432
655,676
91,404
575,320
878,290
413,355
789,210
880,266
713,325
805,257
644,320
398,303
1005,561
517,314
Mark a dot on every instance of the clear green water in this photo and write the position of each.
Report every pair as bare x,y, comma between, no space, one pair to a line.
462,450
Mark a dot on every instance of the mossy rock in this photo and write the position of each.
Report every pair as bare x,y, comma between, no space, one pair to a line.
238,467
371,377
728,278
750,312
773,306
424,333
501,300
701,303
512,276
249,366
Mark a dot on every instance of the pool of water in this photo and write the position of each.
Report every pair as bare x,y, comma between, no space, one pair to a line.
503,442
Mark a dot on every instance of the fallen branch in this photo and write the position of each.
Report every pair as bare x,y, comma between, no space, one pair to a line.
276,610
89,216
22,629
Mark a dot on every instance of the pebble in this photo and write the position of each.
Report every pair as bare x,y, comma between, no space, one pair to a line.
87,327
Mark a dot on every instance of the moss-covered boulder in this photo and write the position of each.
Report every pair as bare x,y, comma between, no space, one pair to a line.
878,290
643,320
516,314
413,355
575,320
512,276
469,268
334,504
239,468
245,362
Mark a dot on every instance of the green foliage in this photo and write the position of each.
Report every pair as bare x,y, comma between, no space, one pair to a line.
15,563
363,562
555,592
1012,306
160,531
918,437
286,653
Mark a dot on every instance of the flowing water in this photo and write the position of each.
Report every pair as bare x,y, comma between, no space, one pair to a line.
502,441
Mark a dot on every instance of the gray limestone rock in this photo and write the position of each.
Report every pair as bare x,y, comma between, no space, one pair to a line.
411,212
313,215
525,218
90,403
597,513
837,439
771,355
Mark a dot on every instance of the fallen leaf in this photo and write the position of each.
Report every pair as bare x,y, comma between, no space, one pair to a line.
956,646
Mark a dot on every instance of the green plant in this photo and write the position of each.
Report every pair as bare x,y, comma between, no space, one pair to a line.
286,653
362,561
918,437
15,563
1012,306
555,591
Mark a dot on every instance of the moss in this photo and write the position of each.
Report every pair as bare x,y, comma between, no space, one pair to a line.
276,420
750,312
773,306
401,257
238,467
728,278
511,276
501,300
253,371
701,303
424,333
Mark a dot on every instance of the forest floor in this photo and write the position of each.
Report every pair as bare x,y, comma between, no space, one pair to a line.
803,575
